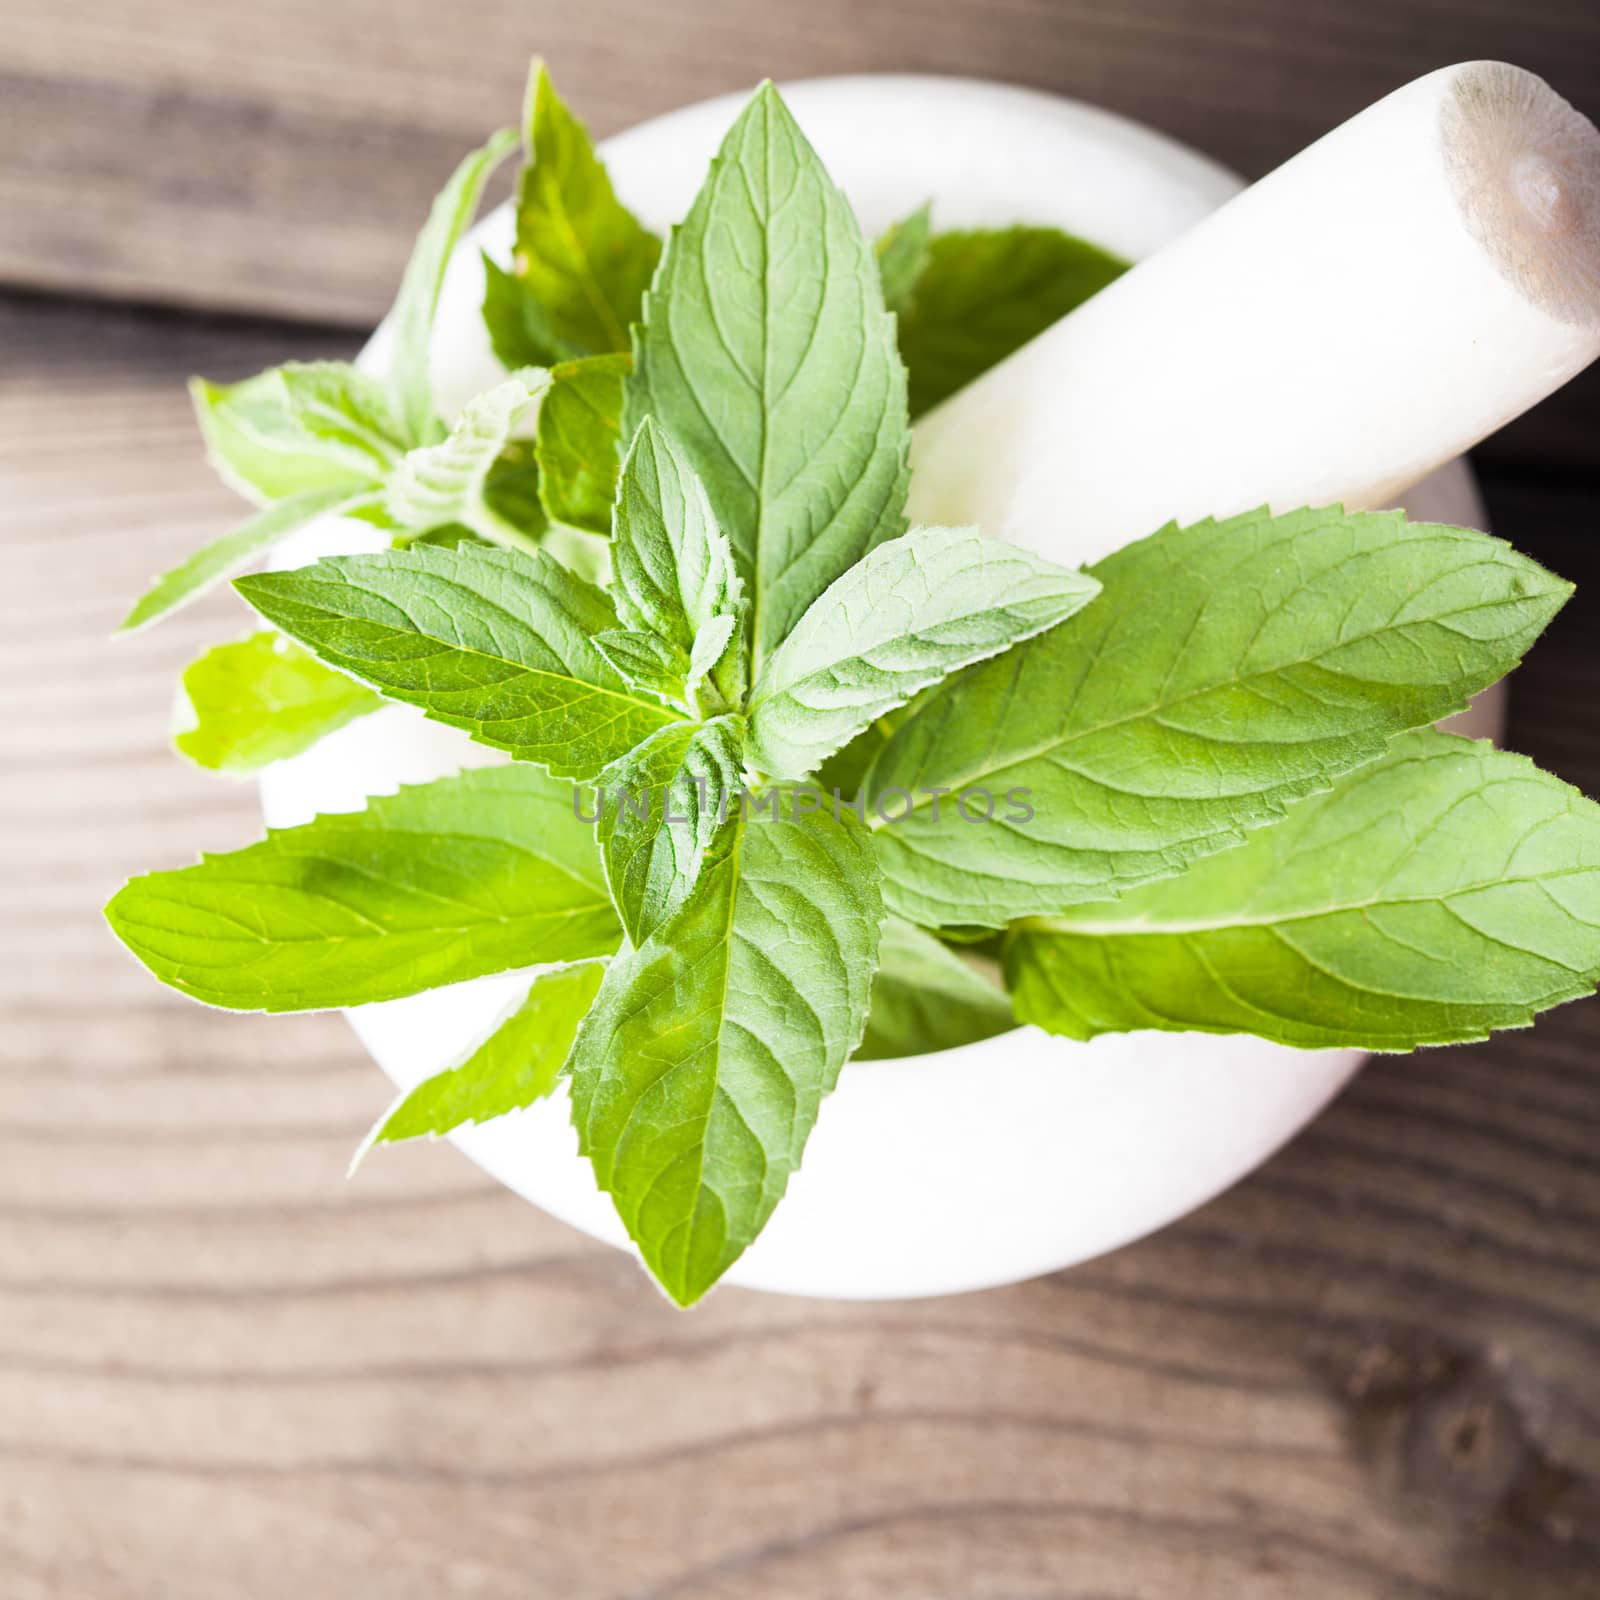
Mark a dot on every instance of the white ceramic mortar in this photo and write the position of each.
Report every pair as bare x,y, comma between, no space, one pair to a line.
933,1174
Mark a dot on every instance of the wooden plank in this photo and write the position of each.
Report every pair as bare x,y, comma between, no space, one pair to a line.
1368,1373
278,157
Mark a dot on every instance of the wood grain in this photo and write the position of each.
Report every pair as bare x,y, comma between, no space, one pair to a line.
278,157
158,148
1368,1373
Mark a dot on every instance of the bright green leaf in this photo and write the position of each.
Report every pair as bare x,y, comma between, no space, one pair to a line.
581,256
220,560
926,998
698,1074
983,294
518,1063
410,363
303,426
767,355
259,700
1226,670
496,643
663,806
485,872
1448,890
579,441
903,617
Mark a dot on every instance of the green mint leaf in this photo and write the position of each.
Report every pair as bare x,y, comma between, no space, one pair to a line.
304,426
903,617
579,441
410,363
481,873
846,769
581,256
518,1063
903,256
647,662
496,643
984,294
1446,891
717,656
662,806
1226,670
767,355
512,493
229,555
698,1073
672,569
259,700
519,332
439,484
332,405
926,998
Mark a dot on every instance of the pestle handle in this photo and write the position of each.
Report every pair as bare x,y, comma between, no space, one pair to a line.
1397,291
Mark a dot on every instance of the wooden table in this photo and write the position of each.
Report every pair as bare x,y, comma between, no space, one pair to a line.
1371,1370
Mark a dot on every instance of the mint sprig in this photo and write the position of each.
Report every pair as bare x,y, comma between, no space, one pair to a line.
674,575
1227,670
448,483
306,441
1193,788
698,1075
766,353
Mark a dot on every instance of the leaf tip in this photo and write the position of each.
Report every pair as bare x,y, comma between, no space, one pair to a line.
362,1150
140,615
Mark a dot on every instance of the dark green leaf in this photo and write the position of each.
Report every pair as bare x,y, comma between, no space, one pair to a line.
578,441
926,998
985,293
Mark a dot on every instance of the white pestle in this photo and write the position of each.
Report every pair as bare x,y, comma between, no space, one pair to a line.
1399,290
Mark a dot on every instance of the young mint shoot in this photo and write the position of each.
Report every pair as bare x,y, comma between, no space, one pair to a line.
772,760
